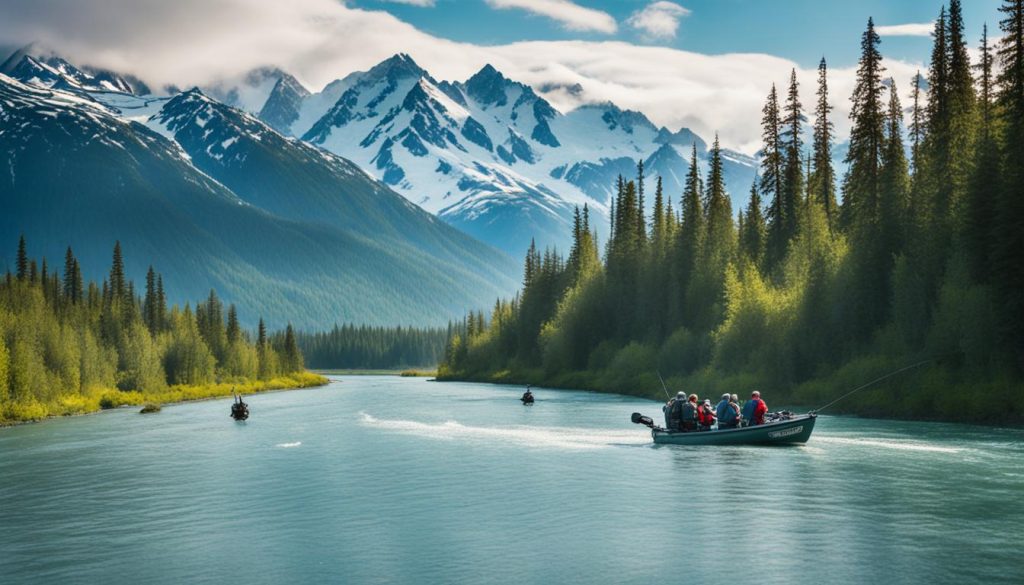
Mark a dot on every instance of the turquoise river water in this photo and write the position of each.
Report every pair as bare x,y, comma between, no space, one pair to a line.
396,480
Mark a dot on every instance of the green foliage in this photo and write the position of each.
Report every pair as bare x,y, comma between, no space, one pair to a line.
804,302
65,351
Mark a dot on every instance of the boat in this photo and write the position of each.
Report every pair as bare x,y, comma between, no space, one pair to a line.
527,396
239,409
782,428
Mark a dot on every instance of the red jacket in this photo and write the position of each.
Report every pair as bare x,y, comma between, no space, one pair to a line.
759,412
705,415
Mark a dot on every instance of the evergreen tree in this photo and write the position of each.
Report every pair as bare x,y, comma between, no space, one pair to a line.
22,261
291,359
641,222
894,187
261,334
823,179
772,169
961,125
659,220
689,238
149,309
985,185
234,330
118,285
793,177
72,284
754,232
867,137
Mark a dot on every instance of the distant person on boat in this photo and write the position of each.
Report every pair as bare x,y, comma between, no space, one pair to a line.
673,411
688,417
705,415
728,413
754,409
527,396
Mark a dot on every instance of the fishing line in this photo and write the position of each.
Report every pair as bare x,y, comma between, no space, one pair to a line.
877,380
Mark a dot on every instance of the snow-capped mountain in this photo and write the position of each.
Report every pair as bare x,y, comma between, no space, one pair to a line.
41,68
281,227
490,155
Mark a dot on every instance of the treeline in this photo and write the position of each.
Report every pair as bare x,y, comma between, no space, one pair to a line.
371,348
802,296
67,346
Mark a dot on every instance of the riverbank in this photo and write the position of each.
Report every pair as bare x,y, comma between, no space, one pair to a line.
97,399
405,373
931,394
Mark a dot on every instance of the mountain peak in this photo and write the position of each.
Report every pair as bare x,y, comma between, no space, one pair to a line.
398,66
487,86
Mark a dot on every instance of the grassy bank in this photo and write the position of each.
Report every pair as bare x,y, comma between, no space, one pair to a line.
98,398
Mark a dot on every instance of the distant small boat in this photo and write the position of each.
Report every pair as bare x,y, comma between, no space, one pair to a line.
239,409
527,396
786,429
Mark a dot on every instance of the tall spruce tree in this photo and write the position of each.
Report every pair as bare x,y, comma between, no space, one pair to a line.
118,284
772,174
22,260
823,180
793,173
149,309
985,184
689,238
961,126
867,137
234,330
754,233
895,186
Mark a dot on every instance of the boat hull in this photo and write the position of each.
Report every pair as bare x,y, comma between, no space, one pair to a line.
795,430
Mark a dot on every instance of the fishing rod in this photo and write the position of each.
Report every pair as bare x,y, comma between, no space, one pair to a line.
663,387
875,381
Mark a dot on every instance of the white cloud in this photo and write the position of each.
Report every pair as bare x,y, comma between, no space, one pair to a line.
322,40
571,15
659,20
424,3
922,29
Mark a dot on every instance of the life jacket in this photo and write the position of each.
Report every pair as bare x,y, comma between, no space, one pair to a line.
705,415
760,408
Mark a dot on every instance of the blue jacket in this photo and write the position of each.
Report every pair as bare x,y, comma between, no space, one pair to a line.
725,412
749,407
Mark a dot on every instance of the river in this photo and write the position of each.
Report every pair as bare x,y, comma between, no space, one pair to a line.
401,480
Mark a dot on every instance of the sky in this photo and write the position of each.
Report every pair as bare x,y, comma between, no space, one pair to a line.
703,64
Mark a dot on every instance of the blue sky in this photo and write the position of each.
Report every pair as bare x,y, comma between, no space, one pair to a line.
799,30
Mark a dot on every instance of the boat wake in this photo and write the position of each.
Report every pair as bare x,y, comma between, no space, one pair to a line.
289,445
889,444
535,437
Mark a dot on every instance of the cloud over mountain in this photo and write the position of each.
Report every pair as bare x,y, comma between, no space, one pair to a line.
197,42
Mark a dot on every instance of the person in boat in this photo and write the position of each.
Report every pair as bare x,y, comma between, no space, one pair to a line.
705,415
673,411
527,396
754,409
688,415
728,413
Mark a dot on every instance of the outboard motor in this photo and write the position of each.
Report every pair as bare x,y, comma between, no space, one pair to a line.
640,419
